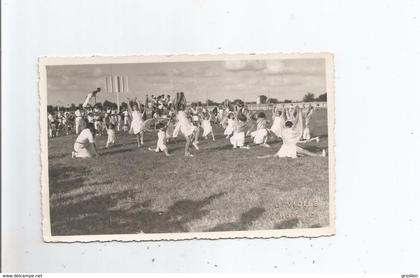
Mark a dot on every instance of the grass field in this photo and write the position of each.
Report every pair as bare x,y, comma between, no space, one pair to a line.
128,190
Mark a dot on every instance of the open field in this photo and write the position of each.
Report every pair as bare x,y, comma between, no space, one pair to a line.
128,190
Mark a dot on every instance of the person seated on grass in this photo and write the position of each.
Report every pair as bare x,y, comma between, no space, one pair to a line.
161,142
251,122
261,134
239,128
85,146
291,133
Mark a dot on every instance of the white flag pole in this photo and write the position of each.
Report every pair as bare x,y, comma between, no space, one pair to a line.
116,88
111,79
126,83
118,102
108,85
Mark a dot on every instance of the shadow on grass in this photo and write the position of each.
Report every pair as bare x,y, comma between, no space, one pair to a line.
115,146
58,156
86,216
245,221
287,224
227,146
114,151
117,213
321,136
292,223
176,148
64,178
313,149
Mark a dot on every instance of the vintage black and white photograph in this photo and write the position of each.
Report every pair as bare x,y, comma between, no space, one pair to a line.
179,147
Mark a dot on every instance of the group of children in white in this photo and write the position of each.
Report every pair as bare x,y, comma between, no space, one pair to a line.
290,124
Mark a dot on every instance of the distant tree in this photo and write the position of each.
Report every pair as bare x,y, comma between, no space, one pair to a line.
73,107
98,105
309,97
287,101
131,103
211,102
322,97
109,104
123,105
106,103
237,101
50,108
272,100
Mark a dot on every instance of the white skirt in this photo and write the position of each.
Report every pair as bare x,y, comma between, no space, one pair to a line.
137,126
81,151
287,151
207,128
238,139
187,130
111,137
259,135
228,130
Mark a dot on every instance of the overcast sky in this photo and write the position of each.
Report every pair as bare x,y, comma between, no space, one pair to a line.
244,79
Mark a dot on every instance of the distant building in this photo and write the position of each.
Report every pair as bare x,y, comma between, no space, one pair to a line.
261,99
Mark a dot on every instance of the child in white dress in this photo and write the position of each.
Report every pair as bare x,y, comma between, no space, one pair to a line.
161,142
137,121
111,135
206,125
230,123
